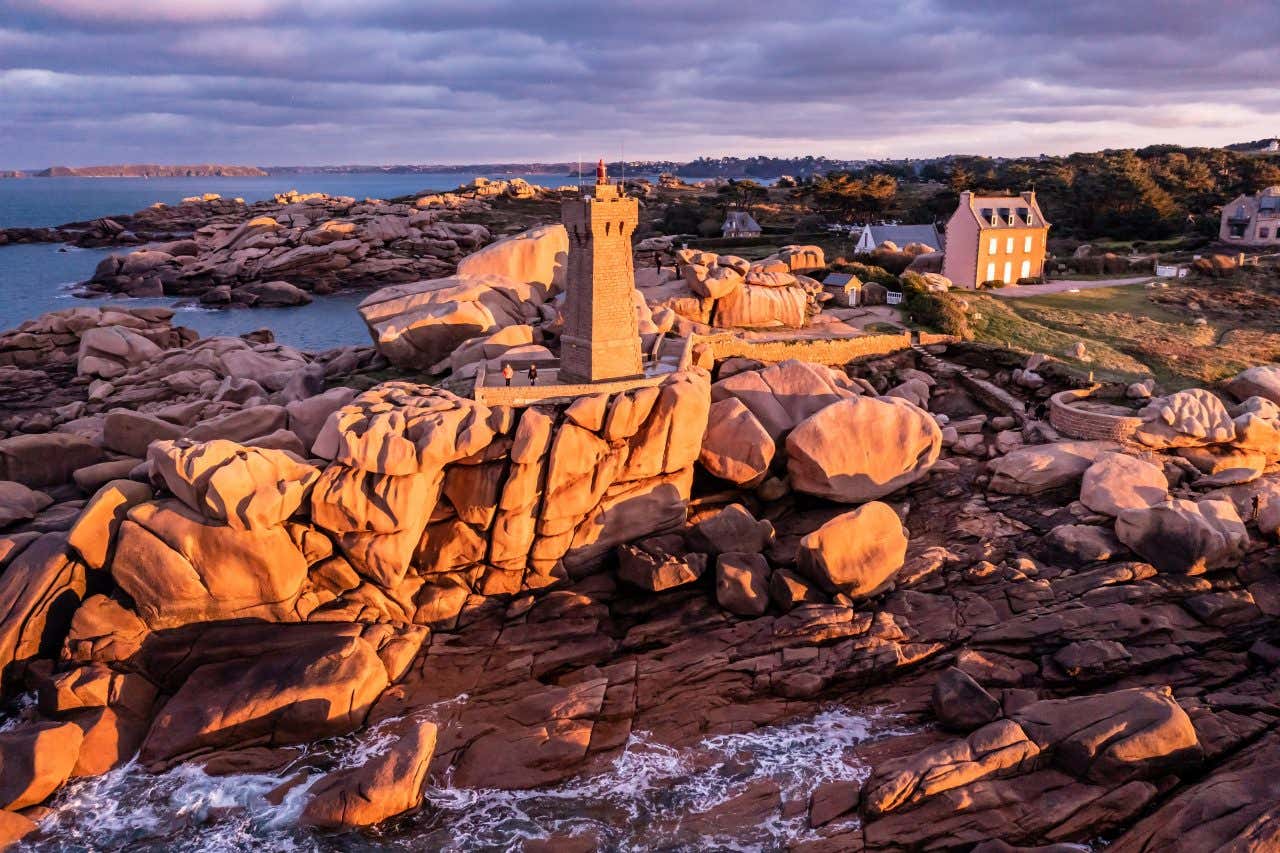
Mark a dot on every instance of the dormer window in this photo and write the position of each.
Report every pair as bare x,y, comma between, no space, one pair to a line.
1006,217
1025,214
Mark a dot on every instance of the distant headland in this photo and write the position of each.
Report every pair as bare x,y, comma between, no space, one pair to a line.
144,170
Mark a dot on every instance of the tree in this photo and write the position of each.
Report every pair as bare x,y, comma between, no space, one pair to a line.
853,196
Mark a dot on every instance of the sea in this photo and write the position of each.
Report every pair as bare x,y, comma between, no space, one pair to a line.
36,278
650,797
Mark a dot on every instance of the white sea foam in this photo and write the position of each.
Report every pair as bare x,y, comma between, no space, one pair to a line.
183,809
649,796
641,801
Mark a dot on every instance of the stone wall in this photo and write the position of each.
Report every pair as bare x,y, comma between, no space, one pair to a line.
831,351
669,355
553,391
1075,422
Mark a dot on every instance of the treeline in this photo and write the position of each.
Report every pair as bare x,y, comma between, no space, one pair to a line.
1146,194
756,167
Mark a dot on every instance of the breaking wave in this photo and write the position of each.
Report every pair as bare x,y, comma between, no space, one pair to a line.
650,796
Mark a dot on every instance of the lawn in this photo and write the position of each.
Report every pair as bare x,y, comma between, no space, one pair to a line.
1128,336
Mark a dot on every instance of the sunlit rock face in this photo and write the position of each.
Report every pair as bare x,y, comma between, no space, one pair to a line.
625,620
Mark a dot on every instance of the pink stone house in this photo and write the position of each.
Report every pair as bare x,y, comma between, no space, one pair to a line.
995,238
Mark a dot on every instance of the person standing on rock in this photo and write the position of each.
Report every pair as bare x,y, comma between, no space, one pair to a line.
507,372
533,374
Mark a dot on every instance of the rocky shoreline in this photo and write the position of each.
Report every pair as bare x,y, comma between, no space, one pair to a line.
217,552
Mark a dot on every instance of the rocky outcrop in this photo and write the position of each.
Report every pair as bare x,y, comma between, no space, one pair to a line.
273,253
385,785
518,499
493,598
857,553
34,762
782,395
1261,381
535,257
322,685
418,325
736,447
1117,482
706,290
117,338
1043,467
896,445
1187,418
40,589
1185,537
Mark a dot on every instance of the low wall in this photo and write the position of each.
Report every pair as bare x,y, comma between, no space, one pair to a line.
831,351
1075,422
669,355
555,392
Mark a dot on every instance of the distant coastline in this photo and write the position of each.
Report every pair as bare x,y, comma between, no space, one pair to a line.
143,170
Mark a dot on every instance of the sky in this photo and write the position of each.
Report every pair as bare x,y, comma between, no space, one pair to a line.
291,82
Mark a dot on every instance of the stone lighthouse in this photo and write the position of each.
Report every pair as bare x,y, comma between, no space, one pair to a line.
601,339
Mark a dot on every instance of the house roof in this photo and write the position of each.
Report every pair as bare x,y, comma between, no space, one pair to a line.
839,279
1006,211
740,220
904,234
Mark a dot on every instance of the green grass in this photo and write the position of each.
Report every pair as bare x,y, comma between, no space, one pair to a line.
1126,335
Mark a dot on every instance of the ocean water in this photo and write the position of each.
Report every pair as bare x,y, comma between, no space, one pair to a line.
35,278
650,797
55,201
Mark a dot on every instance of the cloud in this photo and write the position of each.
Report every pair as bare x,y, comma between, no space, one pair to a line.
323,81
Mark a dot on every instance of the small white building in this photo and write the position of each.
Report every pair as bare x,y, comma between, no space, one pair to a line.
873,236
844,288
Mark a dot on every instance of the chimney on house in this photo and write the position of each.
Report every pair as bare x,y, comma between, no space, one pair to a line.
602,176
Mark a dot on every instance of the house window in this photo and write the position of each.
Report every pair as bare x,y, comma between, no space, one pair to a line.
1008,272
1026,269
1264,233
995,246
1008,246
1026,244
991,273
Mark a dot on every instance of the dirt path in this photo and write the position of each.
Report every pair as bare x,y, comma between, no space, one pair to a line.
1063,285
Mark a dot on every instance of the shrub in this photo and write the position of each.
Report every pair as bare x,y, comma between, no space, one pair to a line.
1092,265
869,272
940,311
895,263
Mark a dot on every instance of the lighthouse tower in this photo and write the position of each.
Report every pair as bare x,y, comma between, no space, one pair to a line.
601,339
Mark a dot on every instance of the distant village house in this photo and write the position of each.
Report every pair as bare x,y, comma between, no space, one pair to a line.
995,239
1252,220
874,236
739,223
